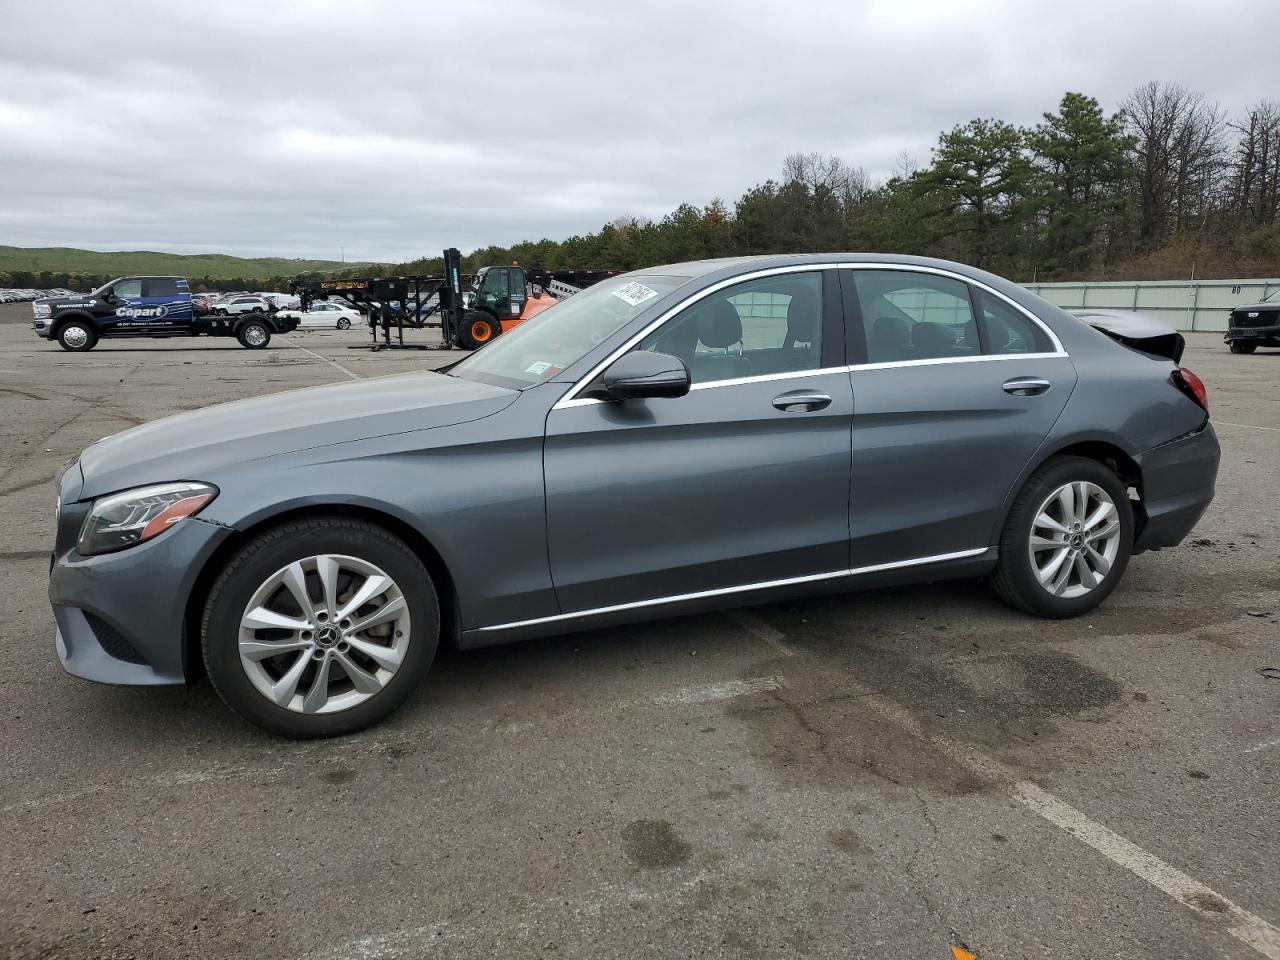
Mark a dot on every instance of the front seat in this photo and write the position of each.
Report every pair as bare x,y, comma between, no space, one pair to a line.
720,328
890,340
804,320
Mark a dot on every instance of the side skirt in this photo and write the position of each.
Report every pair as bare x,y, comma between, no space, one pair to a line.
969,563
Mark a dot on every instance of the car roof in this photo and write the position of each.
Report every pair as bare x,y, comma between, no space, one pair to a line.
729,266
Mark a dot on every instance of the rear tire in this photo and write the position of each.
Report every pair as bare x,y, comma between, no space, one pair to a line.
77,336
1238,347
1053,561
356,552
254,335
477,330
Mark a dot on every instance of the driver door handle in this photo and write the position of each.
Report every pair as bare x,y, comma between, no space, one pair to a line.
1025,386
801,401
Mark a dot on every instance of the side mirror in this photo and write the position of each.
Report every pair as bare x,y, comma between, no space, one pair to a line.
641,374
109,297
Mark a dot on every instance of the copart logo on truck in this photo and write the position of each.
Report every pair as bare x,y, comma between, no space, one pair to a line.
143,313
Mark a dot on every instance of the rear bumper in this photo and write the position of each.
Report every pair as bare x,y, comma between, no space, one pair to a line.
1178,480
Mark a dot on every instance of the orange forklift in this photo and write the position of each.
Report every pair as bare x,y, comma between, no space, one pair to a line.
500,298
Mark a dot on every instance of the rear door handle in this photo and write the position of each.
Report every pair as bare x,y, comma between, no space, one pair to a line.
802,401
1025,386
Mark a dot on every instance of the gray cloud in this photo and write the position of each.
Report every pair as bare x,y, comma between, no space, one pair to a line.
395,129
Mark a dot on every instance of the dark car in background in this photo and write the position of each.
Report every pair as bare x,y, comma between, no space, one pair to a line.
684,437
1255,325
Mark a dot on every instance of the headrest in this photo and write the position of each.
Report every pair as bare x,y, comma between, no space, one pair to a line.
720,326
933,338
803,316
890,330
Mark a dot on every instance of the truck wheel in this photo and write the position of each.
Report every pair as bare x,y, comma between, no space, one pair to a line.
477,330
77,336
319,627
1238,347
344,323
254,335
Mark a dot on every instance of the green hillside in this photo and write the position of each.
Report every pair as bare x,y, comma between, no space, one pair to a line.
69,260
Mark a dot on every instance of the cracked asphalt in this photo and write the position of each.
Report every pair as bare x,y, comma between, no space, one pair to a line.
852,776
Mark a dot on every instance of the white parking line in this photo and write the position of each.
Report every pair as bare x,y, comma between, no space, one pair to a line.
1246,927
332,363
761,631
1248,426
721,691
1266,745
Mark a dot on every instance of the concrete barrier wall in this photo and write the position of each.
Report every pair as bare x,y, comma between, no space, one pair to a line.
1199,305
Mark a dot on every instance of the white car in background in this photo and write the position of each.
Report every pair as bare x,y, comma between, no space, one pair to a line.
323,315
233,306
281,301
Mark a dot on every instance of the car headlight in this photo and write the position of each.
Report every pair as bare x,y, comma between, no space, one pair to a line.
40,311
133,516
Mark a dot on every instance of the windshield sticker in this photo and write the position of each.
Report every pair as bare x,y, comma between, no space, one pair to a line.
635,293
539,368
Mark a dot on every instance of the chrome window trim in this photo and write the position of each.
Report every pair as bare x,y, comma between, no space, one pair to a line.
571,398
1058,350
742,588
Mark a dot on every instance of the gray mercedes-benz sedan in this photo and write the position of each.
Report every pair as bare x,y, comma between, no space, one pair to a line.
682,437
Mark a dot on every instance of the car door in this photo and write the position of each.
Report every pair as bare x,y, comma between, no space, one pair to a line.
127,317
743,481
167,305
955,387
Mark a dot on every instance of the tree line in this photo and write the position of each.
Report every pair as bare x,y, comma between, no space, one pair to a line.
1168,186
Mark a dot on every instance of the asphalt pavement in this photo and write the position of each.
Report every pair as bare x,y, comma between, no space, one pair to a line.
886,774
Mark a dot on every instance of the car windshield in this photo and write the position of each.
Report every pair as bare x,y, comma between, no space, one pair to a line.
1273,298
541,347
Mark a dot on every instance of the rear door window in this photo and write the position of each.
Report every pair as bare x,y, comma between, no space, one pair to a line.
162,287
915,316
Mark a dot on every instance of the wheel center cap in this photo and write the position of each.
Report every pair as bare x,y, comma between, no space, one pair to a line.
326,636
1077,541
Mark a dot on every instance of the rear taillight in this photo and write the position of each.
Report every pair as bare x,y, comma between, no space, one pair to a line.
1192,386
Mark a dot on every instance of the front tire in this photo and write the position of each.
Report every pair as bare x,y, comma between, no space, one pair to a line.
1238,347
478,329
254,335
320,627
77,336
1067,539
344,323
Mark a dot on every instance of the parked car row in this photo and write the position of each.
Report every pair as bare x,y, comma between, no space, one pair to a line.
26,296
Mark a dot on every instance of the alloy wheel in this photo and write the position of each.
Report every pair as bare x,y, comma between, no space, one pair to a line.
1075,538
255,335
324,634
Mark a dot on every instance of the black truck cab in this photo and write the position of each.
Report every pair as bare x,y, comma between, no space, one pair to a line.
144,307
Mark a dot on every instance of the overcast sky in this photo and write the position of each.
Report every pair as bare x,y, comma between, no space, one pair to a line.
396,129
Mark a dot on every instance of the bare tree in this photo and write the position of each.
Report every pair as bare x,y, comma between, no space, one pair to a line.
1254,183
1180,158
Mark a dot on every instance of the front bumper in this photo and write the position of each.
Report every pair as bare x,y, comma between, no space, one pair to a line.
43,328
1252,333
121,616
1178,480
